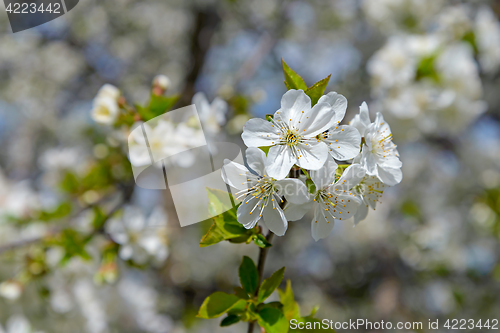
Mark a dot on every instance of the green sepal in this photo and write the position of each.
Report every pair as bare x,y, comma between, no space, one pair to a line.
316,90
292,79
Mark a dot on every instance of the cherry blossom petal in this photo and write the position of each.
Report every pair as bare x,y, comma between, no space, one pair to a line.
256,160
361,121
275,220
343,142
351,177
324,176
339,105
244,213
312,156
346,206
293,103
258,132
320,226
316,121
279,161
294,190
295,212
390,176
361,213
235,175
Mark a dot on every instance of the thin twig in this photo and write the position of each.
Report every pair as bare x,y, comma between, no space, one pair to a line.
260,270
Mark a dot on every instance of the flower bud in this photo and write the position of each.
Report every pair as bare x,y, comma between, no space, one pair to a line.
162,82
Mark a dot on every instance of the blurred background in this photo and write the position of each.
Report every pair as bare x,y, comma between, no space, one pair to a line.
430,249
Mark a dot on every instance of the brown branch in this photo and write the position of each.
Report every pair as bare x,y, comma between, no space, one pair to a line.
206,22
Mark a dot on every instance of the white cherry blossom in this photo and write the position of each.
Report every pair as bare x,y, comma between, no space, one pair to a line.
212,116
140,238
343,141
487,30
261,195
105,106
331,200
105,110
379,154
292,133
370,190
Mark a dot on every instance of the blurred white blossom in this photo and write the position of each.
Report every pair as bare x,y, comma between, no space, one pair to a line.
212,115
140,238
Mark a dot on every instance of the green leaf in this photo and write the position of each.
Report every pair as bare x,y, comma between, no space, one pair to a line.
70,182
249,276
161,104
316,90
276,305
225,226
270,284
213,236
241,293
261,241
239,308
426,69
313,311
63,210
99,218
217,304
292,79
272,320
219,201
269,117
229,320
291,309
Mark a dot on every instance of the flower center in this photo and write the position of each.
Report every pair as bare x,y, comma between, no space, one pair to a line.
291,138
382,146
325,196
103,111
263,188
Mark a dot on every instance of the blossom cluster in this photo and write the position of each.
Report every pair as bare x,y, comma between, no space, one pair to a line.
433,77
164,137
300,171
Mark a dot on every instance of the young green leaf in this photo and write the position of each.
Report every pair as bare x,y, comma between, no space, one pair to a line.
316,90
272,320
219,201
213,236
161,104
291,309
261,241
292,79
226,227
270,284
249,276
241,293
229,320
216,304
